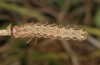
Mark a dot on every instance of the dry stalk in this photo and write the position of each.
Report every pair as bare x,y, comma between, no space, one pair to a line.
52,31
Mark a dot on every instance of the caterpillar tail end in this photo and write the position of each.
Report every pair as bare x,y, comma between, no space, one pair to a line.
6,32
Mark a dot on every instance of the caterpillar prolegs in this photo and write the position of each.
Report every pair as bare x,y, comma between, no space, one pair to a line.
52,31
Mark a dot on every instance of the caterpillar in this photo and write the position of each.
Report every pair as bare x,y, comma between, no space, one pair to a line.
44,30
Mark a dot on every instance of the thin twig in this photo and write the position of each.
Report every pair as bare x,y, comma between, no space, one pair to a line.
63,11
69,50
94,41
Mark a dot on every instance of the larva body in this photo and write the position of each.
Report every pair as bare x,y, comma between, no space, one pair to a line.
49,31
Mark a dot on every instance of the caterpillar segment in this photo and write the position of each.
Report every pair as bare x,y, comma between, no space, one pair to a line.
52,31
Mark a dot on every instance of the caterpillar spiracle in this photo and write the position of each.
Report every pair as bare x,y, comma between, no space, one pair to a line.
52,31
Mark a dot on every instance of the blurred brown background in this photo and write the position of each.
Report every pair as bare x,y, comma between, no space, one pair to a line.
46,51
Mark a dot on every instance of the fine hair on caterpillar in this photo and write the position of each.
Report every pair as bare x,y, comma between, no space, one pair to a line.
46,30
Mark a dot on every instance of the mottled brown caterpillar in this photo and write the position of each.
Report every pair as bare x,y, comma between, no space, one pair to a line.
52,31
